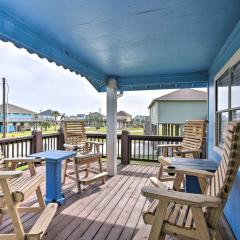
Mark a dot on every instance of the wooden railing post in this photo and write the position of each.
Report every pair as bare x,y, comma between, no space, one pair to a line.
37,141
60,139
125,147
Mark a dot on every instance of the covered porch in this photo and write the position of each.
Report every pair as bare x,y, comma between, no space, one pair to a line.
125,46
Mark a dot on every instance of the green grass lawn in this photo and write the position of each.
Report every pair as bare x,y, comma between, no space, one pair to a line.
29,133
133,131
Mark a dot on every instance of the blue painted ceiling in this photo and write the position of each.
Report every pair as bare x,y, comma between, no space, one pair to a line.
144,44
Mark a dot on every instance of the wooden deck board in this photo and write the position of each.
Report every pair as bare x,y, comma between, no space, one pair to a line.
110,211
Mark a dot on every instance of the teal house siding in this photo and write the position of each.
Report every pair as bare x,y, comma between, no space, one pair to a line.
180,111
15,116
232,208
179,106
20,116
154,113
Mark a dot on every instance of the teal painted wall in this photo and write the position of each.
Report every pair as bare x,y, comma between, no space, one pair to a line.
232,208
18,116
180,111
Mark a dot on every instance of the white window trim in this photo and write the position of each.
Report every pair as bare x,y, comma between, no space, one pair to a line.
232,61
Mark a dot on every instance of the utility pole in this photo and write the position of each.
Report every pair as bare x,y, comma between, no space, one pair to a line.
4,107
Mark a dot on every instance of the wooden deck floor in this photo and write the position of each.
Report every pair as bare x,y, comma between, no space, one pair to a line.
111,211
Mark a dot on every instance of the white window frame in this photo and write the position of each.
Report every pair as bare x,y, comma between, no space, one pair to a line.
229,64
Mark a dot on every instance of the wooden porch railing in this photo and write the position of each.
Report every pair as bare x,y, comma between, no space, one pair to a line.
129,147
17,147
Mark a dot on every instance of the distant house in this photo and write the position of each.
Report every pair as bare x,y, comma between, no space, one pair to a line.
175,108
139,119
123,119
81,116
47,115
16,116
95,119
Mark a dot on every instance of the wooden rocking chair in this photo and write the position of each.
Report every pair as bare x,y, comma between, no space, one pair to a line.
88,152
195,216
192,145
15,189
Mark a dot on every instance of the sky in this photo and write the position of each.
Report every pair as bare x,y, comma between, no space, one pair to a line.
38,85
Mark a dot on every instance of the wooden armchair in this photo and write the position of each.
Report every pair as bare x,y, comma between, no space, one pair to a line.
192,145
15,189
195,216
88,152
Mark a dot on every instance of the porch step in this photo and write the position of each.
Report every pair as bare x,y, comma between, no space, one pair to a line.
88,180
42,223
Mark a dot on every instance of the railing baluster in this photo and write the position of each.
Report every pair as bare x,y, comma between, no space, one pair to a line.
8,150
143,149
17,148
148,151
12,146
139,143
134,149
118,148
153,147
22,148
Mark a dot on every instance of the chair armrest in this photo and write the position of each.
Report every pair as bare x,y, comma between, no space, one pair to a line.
10,174
188,151
96,143
71,147
23,159
168,145
189,172
190,199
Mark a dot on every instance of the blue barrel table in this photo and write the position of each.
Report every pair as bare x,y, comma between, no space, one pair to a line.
54,173
192,184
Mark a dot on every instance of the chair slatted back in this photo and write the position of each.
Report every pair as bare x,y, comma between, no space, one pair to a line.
2,165
194,134
221,184
75,134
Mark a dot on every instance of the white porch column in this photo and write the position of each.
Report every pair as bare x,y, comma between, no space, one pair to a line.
112,127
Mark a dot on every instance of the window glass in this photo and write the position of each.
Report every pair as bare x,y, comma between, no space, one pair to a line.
222,92
222,122
236,115
235,87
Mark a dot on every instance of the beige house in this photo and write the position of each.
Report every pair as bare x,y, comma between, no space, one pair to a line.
123,119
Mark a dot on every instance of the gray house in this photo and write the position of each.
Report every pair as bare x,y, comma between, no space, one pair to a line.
169,112
47,115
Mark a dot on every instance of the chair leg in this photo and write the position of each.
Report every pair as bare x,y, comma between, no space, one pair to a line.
40,197
201,224
162,236
218,235
87,172
160,173
101,169
156,230
178,181
2,205
77,179
38,190
64,171
12,210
